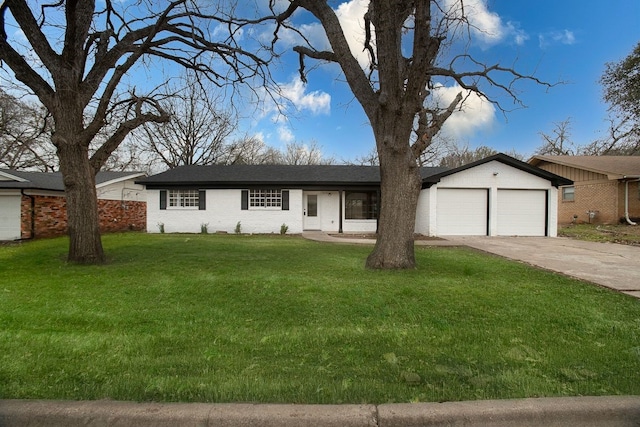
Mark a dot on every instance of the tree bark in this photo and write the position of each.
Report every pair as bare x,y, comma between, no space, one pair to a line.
85,246
400,186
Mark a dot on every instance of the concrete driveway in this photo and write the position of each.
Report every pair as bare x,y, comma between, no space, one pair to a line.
607,264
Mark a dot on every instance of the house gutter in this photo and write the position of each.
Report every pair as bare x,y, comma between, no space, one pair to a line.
626,201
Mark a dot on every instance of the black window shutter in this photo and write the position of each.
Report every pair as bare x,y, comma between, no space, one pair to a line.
285,200
245,200
202,200
163,199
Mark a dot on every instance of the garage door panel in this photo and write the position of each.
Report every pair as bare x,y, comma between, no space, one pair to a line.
9,217
462,212
522,212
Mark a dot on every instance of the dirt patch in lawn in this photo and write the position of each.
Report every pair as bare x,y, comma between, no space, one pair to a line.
620,233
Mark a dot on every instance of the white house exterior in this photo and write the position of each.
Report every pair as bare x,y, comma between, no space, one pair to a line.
495,196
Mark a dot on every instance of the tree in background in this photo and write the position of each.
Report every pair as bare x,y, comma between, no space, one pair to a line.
25,136
558,142
621,90
406,42
76,57
198,126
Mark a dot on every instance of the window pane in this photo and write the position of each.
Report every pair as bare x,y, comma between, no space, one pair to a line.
568,194
312,205
361,205
262,198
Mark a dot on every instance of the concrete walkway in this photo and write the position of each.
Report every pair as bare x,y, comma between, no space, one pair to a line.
618,411
609,265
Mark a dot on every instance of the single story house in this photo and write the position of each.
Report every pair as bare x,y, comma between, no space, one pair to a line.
498,195
606,189
33,204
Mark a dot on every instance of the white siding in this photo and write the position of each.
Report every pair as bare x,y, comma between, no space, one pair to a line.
522,212
9,217
223,213
497,176
123,190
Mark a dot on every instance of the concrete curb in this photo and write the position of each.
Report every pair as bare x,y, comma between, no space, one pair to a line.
607,411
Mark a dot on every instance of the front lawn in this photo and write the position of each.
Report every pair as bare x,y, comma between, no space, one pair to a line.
216,318
613,233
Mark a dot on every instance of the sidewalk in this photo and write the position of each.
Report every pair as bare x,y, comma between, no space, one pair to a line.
611,411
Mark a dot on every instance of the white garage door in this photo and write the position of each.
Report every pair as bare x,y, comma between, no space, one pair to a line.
522,212
462,212
9,217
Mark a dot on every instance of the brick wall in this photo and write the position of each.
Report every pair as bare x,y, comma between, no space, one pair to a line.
601,197
50,216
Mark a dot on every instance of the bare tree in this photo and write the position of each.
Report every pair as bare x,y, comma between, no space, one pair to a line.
558,142
75,56
25,132
405,41
369,159
296,153
198,129
462,155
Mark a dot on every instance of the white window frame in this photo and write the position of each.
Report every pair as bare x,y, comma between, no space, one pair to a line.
262,198
183,199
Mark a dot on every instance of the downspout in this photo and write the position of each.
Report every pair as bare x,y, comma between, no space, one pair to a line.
626,203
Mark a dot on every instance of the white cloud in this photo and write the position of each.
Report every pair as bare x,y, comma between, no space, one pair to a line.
476,114
565,37
316,102
486,27
285,134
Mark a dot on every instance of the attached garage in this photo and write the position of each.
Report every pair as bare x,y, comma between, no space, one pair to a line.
9,217
462,212
522,213
496,196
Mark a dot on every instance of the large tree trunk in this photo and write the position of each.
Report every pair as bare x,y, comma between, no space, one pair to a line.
400,187
85,246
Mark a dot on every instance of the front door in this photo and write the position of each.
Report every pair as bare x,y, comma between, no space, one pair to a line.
311,212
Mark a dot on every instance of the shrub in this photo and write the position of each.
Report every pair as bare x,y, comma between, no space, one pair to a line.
284,228
204,228
238,229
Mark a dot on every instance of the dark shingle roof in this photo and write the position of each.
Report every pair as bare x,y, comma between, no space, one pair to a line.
307,176
52,181
299,175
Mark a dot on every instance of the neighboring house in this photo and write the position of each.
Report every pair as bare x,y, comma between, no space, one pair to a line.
605,189
33,204
495,196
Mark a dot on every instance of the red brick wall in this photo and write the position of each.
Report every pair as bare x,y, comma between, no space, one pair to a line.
601,197
50,216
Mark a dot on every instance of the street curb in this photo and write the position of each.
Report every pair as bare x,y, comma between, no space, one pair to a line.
607,411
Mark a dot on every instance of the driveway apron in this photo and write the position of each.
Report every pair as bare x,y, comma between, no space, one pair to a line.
610,265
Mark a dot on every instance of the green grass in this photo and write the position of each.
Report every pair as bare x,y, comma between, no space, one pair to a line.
215,318
619,233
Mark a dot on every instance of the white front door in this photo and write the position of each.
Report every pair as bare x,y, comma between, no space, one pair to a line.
311,211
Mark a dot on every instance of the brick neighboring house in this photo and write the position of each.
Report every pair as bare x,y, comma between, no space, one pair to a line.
606,188
33,204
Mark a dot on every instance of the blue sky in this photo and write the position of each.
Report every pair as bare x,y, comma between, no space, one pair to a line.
565,41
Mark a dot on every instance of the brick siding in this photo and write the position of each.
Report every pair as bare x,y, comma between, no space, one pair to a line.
600,197
50,218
